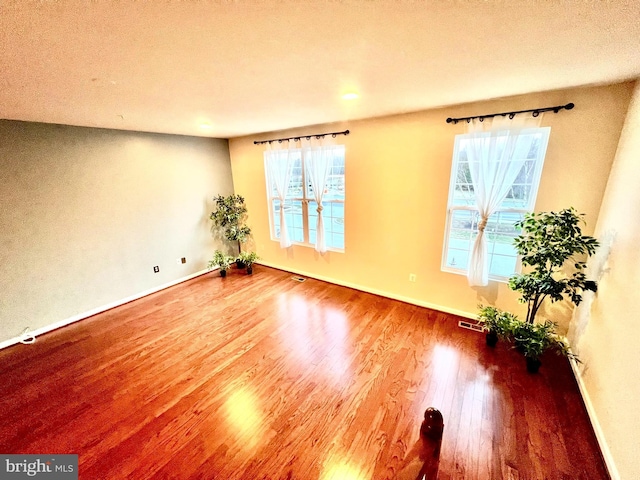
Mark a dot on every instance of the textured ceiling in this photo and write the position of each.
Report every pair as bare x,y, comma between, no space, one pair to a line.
258,66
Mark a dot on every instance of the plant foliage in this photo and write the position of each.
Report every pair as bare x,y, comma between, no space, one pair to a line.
220,260
248,258
497,321
230,216
552,244
535,339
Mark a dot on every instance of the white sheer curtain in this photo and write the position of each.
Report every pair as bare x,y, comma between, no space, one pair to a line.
279,165
496,151
318,160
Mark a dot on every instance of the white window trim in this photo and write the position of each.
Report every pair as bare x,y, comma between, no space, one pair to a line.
535,185
305,210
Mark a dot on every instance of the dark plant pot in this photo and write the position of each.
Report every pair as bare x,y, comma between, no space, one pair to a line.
249,270
223,273
491,338
519,345
533,365
240,264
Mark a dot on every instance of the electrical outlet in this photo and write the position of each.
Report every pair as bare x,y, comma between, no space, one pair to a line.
156,269
412,277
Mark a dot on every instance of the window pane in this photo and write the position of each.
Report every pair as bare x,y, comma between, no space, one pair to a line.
462,233
337,224
463,193
502,266
499,235
457,258
276,217
295,184
462,226
293,217
296,235
335,182
293,214
337,241
300,202
333,215
334,188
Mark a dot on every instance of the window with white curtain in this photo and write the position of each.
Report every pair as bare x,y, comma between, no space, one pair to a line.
463,216
300,206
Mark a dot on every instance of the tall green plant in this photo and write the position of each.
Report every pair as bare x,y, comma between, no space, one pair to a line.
230,216
552,244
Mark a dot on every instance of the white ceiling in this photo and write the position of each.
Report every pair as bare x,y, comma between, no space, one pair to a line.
257,66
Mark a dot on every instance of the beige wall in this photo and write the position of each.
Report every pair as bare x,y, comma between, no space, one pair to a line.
87,213
606,326
397,178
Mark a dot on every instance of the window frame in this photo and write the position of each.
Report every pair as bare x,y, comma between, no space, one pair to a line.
451,208
304,200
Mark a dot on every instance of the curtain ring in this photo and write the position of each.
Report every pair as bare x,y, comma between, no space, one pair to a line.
535,113
511,116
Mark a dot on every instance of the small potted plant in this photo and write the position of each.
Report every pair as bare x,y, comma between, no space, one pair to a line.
222,261
248,259
497,324
535,339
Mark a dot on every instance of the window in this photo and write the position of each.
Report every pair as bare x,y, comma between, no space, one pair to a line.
463,216
300,206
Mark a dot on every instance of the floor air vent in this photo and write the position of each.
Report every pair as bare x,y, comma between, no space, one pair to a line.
298,279
476,327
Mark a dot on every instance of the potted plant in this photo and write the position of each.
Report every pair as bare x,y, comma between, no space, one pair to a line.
222,261
552,244
536,338
248,259
230,216
497,323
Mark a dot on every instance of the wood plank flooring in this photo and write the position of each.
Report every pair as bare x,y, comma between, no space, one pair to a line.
262,377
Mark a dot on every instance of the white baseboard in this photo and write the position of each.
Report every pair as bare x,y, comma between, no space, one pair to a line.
604,448
382,293
95,311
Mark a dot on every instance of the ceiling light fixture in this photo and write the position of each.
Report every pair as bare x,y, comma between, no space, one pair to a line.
350,96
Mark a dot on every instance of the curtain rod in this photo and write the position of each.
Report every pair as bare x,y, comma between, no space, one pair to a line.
297,139
536,112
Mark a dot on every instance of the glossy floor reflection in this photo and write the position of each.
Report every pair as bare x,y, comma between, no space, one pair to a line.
260,377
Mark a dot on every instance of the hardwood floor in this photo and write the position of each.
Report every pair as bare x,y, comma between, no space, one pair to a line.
261,377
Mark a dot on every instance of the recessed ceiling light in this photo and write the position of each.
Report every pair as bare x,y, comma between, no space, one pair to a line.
350,96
